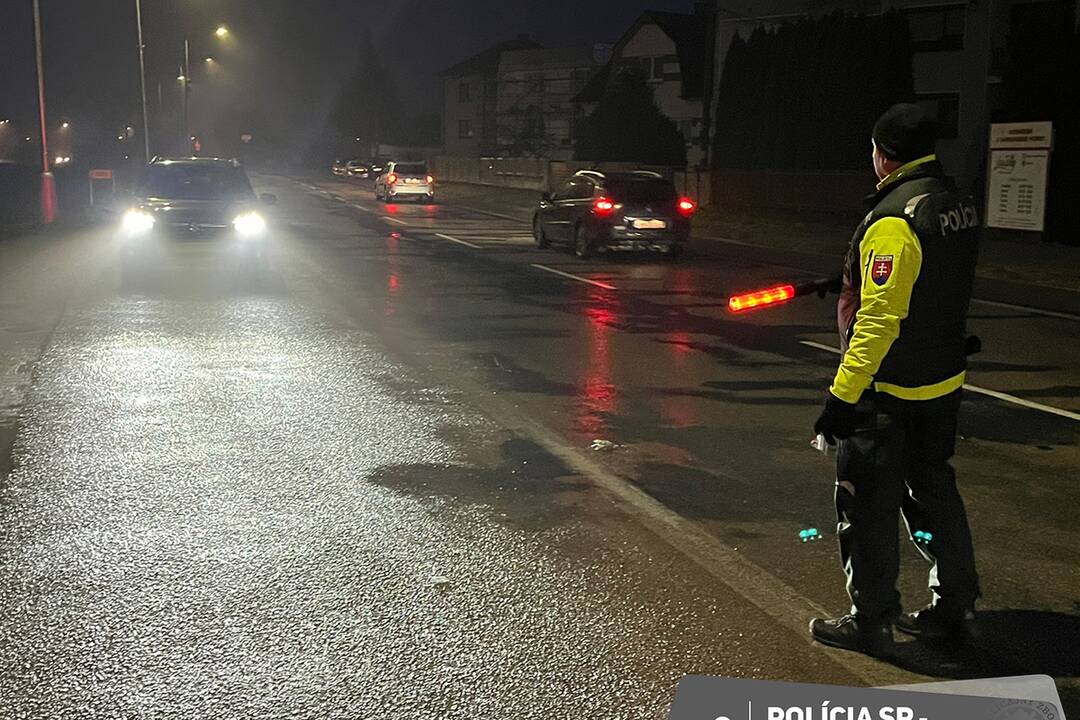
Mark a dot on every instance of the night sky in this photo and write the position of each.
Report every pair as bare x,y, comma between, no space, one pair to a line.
285,60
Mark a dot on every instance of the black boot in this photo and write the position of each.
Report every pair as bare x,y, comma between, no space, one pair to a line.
854,633
937,622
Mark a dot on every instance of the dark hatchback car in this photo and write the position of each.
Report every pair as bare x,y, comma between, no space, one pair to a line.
604,212
207,199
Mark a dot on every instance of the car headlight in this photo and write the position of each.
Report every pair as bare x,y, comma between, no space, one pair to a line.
249,224
136,222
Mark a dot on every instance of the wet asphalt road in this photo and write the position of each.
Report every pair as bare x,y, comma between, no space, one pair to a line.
360,485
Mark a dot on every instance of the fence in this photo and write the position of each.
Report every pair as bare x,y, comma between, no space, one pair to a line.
545,175
797,192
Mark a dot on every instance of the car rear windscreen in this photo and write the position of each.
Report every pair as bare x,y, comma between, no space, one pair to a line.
195,182
411,169
640,190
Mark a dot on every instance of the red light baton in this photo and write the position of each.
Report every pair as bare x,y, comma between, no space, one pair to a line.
781,294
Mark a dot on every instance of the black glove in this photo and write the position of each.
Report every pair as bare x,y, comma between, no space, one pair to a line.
837,420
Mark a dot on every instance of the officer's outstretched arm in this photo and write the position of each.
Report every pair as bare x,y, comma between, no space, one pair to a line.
891,258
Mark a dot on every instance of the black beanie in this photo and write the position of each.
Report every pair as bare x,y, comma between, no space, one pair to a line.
906,132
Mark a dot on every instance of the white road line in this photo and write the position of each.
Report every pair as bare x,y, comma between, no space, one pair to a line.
981,390
459,242
598,284
819,346
361,207
1025,308
394,220
511,218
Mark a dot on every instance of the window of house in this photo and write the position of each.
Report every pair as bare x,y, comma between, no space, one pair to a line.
465,130
464,93
691,130
936,28
946,108
670,69
534,83
490,90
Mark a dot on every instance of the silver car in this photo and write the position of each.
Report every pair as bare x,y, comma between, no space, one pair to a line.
357,169
400,180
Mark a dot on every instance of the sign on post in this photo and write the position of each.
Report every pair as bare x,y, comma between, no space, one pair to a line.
1017,176
101,174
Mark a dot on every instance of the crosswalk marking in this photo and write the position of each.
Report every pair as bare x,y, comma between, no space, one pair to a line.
458,241
571,276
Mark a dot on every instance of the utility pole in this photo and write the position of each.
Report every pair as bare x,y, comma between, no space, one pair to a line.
187,84
142,81
48,182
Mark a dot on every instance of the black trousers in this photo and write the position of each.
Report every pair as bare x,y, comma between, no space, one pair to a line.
898,463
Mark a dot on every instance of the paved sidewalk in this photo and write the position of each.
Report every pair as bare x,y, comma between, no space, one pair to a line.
1038,274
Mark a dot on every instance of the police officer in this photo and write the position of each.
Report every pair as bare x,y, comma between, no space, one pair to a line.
892,407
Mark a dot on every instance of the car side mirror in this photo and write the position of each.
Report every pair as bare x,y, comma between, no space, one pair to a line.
545,196
268,199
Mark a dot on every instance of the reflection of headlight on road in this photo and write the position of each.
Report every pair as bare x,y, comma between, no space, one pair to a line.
136,222
249,224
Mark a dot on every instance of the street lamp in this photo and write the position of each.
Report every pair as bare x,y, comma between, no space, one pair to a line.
185,76
65,125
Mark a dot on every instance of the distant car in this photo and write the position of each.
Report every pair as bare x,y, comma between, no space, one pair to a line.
358,169
405,180
606,212
205,199
338,167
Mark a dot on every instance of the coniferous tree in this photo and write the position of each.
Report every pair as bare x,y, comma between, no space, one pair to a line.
627,126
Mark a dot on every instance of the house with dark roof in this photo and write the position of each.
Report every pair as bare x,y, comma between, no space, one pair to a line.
470,96
535,89
674,50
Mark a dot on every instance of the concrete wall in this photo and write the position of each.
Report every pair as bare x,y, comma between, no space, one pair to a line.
810,193
548,175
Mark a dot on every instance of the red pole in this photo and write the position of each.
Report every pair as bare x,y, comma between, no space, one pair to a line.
48,183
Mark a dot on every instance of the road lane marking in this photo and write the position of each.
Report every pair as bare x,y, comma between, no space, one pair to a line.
394,220
459,242
598,284
1005,397
494,214
727,564
1026,308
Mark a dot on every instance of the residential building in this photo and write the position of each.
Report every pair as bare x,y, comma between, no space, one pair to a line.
534,89
470,100
675,52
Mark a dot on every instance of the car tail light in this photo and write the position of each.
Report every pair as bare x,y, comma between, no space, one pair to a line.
749,301
391,179
603,206
686,207
430,179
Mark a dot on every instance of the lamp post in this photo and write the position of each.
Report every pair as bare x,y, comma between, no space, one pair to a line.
142,80
184,77
48,182
185,80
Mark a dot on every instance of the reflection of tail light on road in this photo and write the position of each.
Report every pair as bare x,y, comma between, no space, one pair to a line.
597,394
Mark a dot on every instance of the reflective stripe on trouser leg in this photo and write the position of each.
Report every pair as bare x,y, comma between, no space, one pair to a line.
933,504
870,464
